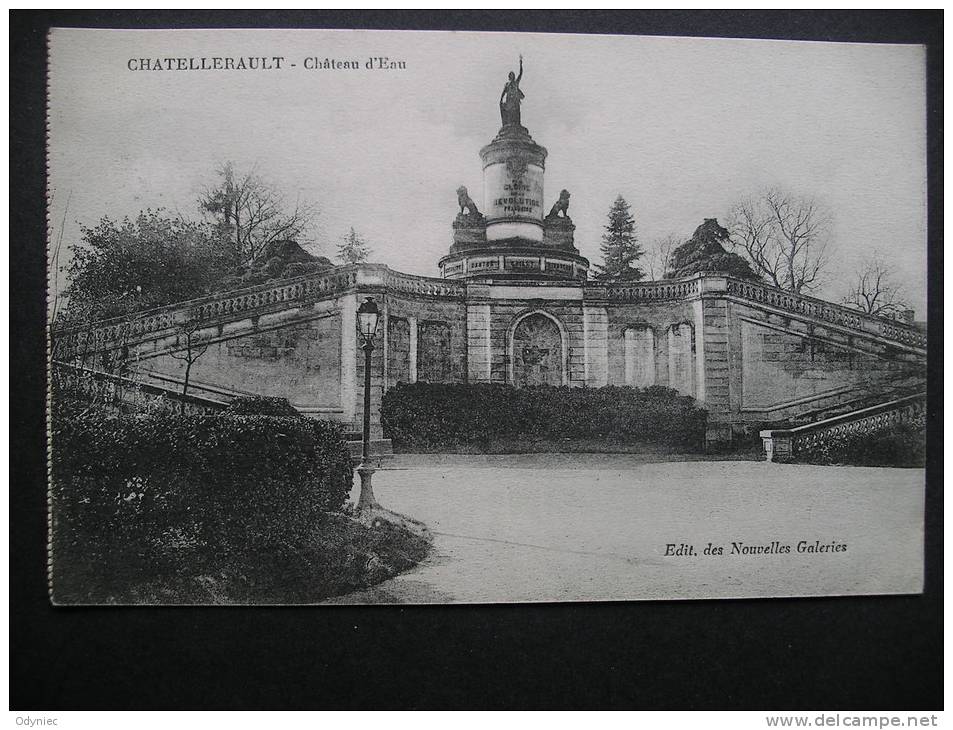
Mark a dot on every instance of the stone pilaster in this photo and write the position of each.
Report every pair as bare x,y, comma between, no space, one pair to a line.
412,321
713,355
595,325
349,353
479,354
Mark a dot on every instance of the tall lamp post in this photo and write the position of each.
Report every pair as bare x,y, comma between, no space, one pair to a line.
367,317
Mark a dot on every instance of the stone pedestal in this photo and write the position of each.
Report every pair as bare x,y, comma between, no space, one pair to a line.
510,239
469,231
513,168
558,232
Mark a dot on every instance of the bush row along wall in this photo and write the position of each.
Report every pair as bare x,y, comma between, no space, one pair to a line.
423,416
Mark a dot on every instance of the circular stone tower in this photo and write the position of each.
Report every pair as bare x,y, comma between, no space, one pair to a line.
513,239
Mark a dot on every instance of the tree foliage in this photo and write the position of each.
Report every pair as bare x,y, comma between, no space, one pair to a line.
705,252
785,238
251,213
620,247
131,265
353,248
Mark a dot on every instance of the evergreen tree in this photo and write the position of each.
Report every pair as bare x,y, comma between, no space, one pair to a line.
353,249
620,247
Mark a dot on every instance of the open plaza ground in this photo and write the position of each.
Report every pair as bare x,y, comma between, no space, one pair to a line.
567,527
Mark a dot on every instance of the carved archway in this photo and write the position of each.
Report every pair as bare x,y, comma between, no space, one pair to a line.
537,350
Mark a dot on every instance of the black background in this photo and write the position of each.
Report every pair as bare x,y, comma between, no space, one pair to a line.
847,653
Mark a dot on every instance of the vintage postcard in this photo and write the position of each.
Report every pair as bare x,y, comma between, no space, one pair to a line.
414,317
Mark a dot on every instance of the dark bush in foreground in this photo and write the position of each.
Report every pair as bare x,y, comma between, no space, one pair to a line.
900,444
425,416
140,497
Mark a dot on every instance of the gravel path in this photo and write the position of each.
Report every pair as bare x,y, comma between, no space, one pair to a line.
595,527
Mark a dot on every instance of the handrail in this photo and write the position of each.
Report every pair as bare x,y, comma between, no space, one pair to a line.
827,311
783,444
122,385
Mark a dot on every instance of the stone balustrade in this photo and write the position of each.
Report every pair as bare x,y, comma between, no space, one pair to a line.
652,291
265,298
818,309
782,445
124,393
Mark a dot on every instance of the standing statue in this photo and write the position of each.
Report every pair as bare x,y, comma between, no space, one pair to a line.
511,97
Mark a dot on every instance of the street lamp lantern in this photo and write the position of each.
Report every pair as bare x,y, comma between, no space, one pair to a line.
367,317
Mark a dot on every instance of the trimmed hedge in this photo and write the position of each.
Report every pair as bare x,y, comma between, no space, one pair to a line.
427,416
136,497
262,405
901,445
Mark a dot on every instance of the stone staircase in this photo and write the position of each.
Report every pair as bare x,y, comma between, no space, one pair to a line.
858,399
781,445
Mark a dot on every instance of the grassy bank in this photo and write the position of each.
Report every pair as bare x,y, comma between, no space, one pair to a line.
340,555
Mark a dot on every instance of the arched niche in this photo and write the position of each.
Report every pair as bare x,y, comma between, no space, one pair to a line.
537,350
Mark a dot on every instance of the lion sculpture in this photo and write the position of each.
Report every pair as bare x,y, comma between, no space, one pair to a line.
560,205
467,206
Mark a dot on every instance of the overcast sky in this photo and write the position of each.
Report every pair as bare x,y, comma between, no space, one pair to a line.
681,127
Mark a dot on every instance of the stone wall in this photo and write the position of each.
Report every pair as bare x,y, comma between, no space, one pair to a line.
777,366
750,357
642,350
300,362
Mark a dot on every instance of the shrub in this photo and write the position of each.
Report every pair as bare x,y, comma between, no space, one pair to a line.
141,496
262,405
425,416
899,444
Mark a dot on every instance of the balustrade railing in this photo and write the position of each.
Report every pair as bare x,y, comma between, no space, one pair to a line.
126,394
786,444
118,331
424,285
828,312
125,330
652,290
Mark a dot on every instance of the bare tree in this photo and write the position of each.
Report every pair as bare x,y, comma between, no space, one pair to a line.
252,212
785,238
659,256
874,290
192,351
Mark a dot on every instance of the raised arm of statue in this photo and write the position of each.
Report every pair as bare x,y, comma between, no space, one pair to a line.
519,78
